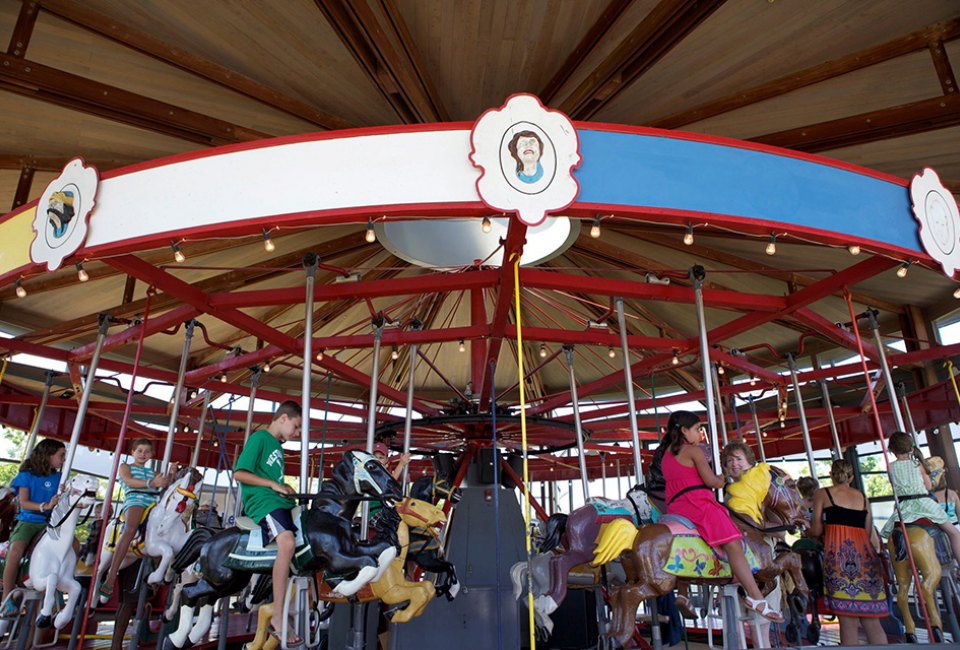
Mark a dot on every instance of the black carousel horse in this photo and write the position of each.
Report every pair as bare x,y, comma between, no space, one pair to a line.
228,561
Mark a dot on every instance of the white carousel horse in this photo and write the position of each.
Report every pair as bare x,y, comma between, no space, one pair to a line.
53,561
167,529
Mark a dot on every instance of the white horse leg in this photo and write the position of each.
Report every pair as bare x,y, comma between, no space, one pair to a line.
386,558
72,589
165,553
202,626
49,598
179,636
348,588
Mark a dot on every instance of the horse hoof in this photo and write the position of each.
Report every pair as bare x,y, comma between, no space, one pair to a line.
813,634
910,637
792,632
937,635
43,622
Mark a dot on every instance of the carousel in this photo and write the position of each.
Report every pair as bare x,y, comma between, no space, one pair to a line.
487,330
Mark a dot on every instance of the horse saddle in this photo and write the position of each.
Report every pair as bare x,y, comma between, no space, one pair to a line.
249,553
605,512
692,558
136,546
944,555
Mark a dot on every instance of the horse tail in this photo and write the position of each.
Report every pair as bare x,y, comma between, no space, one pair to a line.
556,527
518,576
191,549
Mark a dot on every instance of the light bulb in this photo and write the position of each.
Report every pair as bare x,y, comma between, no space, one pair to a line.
370,236
688,236
266,367
772,245
268,244
82,274
21,292
676,359
543,351
320,354
595,228
485,225
463,346
902,270
854,249
394,353
720,369
178,254
753,380
223,378
611,352
956,293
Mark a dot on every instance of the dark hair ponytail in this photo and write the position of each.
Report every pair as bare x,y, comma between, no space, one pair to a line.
674,436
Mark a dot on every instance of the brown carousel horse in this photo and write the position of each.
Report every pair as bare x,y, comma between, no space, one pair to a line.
8,511
933,559
659,555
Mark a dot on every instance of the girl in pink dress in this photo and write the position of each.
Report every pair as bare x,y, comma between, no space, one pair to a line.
690,482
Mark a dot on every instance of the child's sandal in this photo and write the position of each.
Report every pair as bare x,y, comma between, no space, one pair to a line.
762,607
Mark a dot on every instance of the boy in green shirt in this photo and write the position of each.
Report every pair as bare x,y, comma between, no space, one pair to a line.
260,474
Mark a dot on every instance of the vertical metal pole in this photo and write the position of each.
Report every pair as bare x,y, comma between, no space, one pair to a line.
697,275
619,484
575,402
310,262
807,445
716,387
887,377
35,429
254,382
825,396
177,392
85,397
570,483
195,456
603,473
628,378
408,419
902,390
372,414
756,428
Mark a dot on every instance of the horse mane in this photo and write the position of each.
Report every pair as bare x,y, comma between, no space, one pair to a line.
59,512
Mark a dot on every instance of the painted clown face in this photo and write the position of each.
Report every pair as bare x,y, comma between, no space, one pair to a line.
528,148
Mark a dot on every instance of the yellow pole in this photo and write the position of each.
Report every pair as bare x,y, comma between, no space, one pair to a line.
523,446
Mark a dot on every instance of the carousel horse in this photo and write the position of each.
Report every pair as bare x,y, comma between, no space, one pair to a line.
932,556
656,556
325,541
811,561
426,548
164,530
8,512
53,561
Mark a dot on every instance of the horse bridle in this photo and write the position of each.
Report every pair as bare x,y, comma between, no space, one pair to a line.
85,493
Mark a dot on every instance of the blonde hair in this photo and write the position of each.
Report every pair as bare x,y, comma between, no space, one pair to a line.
841,472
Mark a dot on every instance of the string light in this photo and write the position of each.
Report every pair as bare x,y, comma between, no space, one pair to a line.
463,346
676,358
753,380
268,244
223,378
370,236
178,254
320,354
21,292
611,352
82,274
720,369
902,270
595,228
956,293
485,225
854,249
394,353
772,245
688,236
266,367
543,351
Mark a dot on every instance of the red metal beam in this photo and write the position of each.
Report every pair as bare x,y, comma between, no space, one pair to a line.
478,348
743,364
830,331
523,488
165,321
592,337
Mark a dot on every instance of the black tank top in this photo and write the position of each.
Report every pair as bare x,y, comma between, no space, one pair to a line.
840,516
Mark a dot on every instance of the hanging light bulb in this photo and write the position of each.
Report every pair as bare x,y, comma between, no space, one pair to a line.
370,236
268,244
611,352
223,378
720,369
485,225
82,274
178,254
676,358
902,270
854,249
320,354
688,236
266,367
394,353
595,228
21,292
463,346
543,351
772,245
956,293
753,380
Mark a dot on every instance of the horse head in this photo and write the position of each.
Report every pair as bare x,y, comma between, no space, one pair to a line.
178,500
361,473
420,514
784,500
433,489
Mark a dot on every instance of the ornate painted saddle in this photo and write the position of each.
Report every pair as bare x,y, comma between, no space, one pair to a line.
692,558
116,529
944,554
250,554
607,511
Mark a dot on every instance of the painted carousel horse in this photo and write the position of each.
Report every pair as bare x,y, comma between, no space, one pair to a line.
426,547
165,529
8,511
932,556
53,562
658,555
325,541
811,561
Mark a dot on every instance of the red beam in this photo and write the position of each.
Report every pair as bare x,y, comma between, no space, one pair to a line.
743,364
478,348
158,324
523,489
592,337
830,331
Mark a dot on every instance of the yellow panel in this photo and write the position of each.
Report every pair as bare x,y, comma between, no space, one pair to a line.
16,235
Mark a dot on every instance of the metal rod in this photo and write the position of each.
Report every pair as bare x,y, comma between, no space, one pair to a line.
716,388
697,275
105,320
902,391
310,261
825,396
570,483
177,392
575,402
35,429
254,382
807,445
372,415
408,418
195,456
603,473
628,378
756,428
887,377
619,483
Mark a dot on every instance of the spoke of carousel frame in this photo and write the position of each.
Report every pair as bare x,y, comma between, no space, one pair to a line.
828,405
431,305
696,277
436,307
105,320
885,368
802,414
176,399
41,408
902,391
195,455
